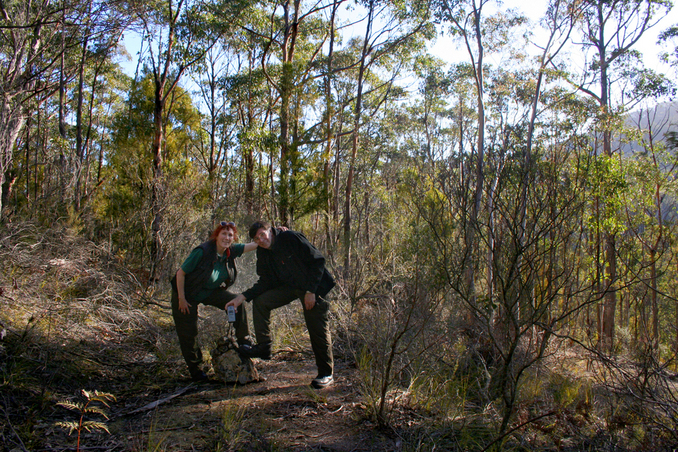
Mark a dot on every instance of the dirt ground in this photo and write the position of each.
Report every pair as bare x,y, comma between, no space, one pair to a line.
281,413
74,324
73,320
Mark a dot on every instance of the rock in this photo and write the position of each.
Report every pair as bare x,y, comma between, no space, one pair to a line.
229,366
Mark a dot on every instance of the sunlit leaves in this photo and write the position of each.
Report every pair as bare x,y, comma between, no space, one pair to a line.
608,184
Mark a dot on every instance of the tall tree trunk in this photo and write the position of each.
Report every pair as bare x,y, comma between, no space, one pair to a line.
27,162
627,22
11,122
62,78
357,112
472,225
555,19
610,301
157,184
653,299
79,148
285,164
329,135
286,91
166,75
249,150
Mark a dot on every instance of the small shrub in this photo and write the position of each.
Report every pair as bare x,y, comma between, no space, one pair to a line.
91,406
438,393
231,433
565,390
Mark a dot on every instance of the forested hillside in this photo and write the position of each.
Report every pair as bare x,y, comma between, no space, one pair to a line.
501,223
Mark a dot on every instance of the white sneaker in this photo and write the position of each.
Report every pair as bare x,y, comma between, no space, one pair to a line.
322,382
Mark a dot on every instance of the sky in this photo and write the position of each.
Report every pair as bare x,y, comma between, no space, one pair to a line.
447,49
450,51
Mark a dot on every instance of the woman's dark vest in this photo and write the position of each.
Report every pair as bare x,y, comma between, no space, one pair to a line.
195,280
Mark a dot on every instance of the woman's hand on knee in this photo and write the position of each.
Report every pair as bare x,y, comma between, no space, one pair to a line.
184,306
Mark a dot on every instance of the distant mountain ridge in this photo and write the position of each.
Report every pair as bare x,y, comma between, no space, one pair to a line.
660,119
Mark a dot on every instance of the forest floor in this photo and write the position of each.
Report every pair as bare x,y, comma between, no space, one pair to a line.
73,319
158,408
280,413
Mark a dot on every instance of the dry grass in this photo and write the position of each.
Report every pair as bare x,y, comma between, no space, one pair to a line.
76,318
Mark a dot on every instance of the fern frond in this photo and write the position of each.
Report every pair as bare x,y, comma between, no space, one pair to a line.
73,406
94,425
101,401
95,410
103,397
70,426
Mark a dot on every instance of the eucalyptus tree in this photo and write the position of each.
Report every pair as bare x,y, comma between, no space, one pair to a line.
34,38
669,37
330,129
218,130
465,20
252,105
102,28
292,39
394,34
125,207
559,20
650,219
23,34
238,109
609,30
479,32
54,178
431,137
516,96
178,35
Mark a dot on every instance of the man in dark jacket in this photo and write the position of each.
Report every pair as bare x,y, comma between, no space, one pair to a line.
290,268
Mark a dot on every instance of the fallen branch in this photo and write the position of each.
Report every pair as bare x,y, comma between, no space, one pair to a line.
21,443
152,405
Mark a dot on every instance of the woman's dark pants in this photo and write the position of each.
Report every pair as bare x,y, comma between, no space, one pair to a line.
187,326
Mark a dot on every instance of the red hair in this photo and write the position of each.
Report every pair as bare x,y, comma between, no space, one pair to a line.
225,225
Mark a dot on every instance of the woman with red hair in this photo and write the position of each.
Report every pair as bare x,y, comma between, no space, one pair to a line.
204,277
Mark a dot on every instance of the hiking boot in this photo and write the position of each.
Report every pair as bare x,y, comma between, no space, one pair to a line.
320,382
262,351
245,341
199,377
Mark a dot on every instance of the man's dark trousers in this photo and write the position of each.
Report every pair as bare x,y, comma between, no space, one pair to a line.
317,322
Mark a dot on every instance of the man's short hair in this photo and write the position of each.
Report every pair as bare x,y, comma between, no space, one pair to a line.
256,226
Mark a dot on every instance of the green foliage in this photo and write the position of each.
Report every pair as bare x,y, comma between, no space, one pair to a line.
442,393
609,187
232,435
568,392
650,84
370,384
123,208
669,37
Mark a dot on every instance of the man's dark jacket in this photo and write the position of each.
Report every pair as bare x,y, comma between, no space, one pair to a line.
291,261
